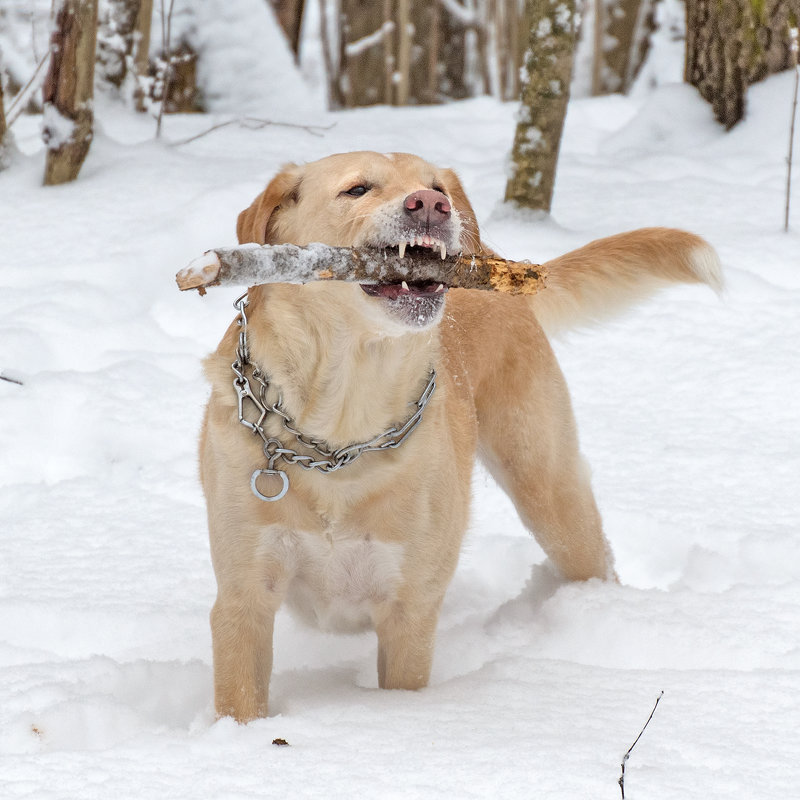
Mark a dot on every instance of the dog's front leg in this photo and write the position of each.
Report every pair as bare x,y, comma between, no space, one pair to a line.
242,625
406,635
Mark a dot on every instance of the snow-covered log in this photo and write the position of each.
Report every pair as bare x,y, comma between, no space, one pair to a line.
253,264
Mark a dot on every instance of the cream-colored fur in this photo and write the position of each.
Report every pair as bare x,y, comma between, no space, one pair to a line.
377,542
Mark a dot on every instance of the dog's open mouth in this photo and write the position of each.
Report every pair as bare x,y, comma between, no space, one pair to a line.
416,303
394,291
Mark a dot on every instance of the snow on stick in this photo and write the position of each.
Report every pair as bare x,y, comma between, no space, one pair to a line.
249,265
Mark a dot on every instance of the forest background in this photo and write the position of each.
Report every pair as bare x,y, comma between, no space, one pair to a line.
686,405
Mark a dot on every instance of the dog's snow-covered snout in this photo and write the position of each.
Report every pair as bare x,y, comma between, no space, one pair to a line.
428,211
425,219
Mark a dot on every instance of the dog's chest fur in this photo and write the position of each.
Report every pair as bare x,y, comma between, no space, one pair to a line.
336,578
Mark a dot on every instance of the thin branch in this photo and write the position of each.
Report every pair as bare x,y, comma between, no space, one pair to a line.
10,380
794,45
621,780
166,38
11,116
254,124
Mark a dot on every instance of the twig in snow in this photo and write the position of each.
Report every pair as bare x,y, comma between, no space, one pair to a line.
793,33
10,380
253,123
22,94
166,37
621,780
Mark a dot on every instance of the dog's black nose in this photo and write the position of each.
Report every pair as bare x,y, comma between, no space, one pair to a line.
427,207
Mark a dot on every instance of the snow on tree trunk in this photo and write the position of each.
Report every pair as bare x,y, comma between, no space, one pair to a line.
733,43
545,92
69,90
622,31
123,44
140,52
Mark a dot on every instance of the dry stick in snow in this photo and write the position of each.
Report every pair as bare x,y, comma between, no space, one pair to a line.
253,123
621,780
17,105
249,265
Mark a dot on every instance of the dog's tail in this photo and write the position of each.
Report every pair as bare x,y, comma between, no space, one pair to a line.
601,278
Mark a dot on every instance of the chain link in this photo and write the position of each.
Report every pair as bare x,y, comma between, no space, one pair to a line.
326,460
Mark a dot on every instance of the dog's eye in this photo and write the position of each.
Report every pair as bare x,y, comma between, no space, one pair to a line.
357,191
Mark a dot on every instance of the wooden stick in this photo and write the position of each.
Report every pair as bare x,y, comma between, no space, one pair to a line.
249,265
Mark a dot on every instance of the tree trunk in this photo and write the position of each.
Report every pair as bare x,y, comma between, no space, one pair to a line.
545,93
289,14
4,134
408,52
404,35
114,37
622,31
3,127
140,52
363,36
733,43
69,90
123,44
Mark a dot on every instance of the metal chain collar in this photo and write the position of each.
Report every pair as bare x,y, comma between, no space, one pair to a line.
329,460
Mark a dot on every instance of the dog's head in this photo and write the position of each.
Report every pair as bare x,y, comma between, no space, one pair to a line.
368,199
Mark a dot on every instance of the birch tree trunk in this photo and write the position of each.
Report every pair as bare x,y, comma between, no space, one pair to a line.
69,90
545,94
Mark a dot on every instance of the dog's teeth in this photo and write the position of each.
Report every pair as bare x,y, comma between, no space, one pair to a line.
402,249
405,287
440,288
443,250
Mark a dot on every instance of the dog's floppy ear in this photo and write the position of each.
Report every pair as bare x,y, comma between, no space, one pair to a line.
254,222
471,235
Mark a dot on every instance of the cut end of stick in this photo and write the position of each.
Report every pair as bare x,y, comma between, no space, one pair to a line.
200,273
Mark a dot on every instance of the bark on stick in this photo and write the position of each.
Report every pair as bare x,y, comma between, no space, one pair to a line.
249,265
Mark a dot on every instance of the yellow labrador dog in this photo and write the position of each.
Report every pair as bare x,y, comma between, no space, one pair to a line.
337,451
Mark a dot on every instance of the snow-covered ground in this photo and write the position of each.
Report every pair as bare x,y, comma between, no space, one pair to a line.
688,410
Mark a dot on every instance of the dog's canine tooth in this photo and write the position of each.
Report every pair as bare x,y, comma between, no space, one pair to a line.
402,249
443,250
440,288
405,287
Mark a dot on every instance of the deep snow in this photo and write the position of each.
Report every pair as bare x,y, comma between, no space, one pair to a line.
688,412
